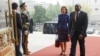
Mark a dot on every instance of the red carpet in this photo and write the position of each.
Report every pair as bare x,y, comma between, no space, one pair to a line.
92,48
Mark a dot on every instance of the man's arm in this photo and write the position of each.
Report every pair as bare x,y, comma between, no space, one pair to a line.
85,24
19,23
70,22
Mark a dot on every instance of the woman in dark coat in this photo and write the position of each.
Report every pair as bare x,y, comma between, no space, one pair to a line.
63,22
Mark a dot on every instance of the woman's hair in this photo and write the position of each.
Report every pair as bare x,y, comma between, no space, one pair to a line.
65,8
14,6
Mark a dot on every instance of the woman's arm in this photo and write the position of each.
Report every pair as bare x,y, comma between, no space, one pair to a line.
57,25
68,19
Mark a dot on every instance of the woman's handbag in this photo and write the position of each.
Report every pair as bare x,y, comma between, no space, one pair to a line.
57,43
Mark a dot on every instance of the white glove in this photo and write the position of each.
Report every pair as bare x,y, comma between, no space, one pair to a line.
26,32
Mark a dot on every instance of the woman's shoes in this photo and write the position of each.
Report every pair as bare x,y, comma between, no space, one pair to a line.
62,53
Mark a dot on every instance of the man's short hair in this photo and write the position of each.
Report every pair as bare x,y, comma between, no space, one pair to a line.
78,5
14,5
22,5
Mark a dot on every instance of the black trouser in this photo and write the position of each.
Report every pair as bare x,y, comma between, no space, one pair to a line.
17,47
25,43
74,40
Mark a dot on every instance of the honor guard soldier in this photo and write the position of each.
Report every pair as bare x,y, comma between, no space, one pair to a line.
25,28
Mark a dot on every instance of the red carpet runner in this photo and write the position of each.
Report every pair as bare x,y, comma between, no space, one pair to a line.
92,49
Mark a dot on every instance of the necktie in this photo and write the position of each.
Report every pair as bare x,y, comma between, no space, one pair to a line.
77,15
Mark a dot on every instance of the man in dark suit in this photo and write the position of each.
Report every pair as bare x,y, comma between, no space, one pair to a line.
17,26
78,26
25,29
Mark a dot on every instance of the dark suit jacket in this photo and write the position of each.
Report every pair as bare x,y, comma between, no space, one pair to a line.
79,25
19,24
